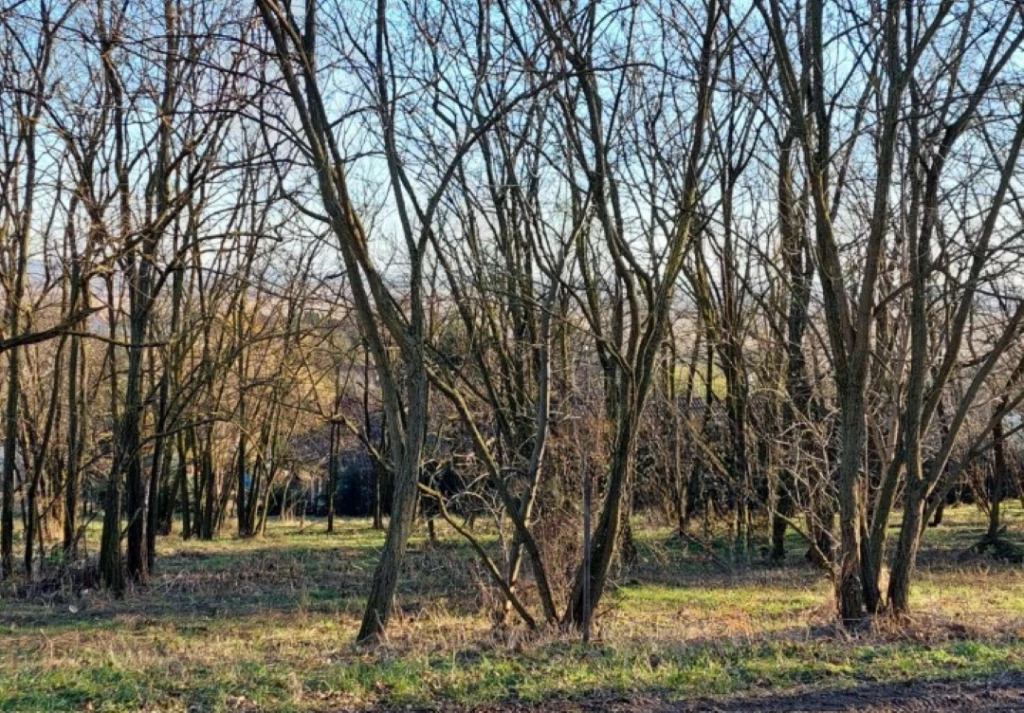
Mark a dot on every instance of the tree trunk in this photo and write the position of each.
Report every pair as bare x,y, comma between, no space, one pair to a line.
129,455
998,481
111,567
906,549
209,488
849,589
606,536
780,518
186,506
74,448
332,477
10,454
403,508
240,506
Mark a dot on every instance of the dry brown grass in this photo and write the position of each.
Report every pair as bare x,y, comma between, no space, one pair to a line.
268,625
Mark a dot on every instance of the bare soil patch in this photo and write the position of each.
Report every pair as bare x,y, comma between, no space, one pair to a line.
1002,693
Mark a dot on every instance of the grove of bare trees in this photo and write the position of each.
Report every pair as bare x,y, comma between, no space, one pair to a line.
536,268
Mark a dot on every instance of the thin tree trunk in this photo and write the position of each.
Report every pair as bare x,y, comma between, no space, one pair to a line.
999,480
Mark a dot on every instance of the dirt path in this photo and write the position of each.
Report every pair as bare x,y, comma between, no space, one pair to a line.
1003,693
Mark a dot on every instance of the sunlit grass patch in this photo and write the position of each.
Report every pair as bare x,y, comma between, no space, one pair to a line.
268,624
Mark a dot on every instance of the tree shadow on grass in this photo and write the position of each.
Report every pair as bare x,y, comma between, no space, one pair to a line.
1004,693
1000,693
203,581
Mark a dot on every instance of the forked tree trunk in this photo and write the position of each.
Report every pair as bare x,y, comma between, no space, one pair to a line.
606,535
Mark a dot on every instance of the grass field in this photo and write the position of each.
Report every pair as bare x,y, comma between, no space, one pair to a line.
268,624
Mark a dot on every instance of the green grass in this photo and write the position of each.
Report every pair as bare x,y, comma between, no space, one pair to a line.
268,624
